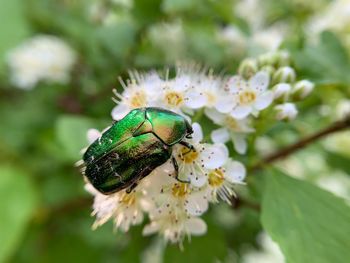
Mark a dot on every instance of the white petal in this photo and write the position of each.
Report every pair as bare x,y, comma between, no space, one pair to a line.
235,83
259,81
197,132
235,171
120,111
92,135
214,156
240,112
195,100
215,116
150,228
197,180
220,135
196,226
196,204
226,103
264,100
239,143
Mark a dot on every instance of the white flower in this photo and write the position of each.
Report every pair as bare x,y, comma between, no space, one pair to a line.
180,92
42,58
286,111
174,228
222,179
194,164
125,209
210,88
249,96
171,196
142,90
233,129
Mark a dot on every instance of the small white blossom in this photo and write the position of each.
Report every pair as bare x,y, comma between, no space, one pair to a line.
222,179
286,111
175,228
233,129
42,58
125,209
142,90
249,97
193,165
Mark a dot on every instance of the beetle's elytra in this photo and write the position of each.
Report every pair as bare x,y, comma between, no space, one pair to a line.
133,147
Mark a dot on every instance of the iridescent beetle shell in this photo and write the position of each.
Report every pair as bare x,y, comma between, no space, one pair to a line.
133,147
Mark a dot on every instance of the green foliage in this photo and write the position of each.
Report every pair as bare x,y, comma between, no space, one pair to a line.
326,63
17,207
309,224
71,134
11,14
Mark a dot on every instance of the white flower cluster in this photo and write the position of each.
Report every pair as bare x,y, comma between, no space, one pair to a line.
232,103
42,58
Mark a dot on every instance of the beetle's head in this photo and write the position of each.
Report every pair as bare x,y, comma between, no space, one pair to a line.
189,130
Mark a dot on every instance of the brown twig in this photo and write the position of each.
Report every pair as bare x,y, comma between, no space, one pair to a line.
284,152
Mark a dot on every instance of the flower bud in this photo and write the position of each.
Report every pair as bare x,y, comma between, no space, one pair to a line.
248,68
281,91
286,111
284,74
283,58
268,59
269,69
302,89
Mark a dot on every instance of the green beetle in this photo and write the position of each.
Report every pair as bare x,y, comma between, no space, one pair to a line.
133,147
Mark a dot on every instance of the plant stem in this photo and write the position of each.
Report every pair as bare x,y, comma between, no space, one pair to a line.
288,150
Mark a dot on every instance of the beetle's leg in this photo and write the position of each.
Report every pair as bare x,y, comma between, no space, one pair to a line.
130,188
176,168
187,145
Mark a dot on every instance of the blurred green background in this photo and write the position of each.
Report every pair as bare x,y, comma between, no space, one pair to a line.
44,210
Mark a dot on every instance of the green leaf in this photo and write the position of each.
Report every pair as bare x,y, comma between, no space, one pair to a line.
18,201
14,27
327,63
71,135
309,224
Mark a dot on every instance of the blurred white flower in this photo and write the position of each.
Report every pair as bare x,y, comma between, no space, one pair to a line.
338,183
286,111
249,97
336,16
270,253
42,58
342,110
